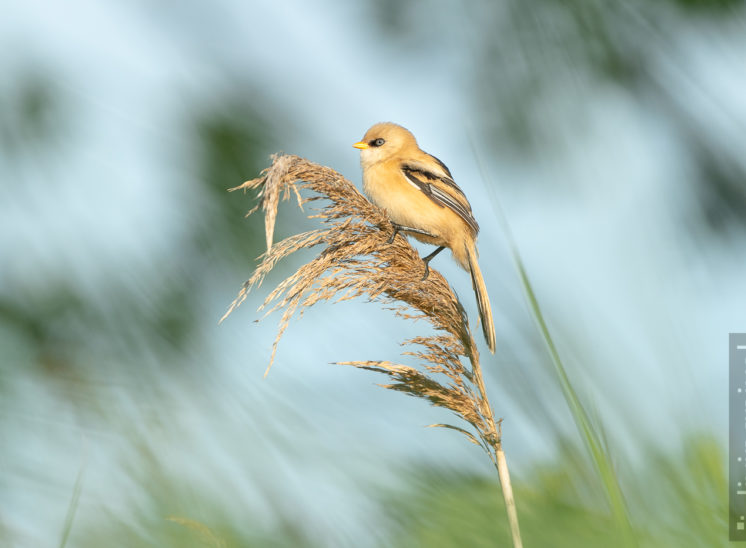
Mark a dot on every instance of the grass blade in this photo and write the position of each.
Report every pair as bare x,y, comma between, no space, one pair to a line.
73,506
591,437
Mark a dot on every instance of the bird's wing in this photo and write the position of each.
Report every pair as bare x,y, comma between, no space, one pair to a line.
441,165
440,188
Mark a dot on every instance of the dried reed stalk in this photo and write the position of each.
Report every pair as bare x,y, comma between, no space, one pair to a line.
356,260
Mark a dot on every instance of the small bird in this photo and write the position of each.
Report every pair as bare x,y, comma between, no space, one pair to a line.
422,200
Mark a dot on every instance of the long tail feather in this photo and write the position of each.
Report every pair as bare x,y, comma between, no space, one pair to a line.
483,300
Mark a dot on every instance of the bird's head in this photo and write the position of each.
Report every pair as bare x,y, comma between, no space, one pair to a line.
383,141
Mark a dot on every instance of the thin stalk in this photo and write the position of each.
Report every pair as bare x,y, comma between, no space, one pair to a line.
73,506
507,489
495,440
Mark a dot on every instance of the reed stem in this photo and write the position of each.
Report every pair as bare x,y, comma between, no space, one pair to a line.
507,489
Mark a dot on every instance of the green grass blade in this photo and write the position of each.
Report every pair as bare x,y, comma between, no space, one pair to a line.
590,436
599,454
73,507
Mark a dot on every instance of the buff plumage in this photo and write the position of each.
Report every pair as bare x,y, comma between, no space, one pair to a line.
422,200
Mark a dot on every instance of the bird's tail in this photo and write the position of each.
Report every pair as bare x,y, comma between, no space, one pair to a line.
483,300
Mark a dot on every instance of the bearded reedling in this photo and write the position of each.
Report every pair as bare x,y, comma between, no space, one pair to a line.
422,200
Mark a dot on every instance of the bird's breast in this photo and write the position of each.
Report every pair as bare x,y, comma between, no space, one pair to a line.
407,205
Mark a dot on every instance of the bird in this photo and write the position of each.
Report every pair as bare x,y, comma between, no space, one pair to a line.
418,193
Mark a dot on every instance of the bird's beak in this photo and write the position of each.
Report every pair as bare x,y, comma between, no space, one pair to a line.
361,145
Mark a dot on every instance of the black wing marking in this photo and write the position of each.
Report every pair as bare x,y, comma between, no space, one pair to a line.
421,178
442,165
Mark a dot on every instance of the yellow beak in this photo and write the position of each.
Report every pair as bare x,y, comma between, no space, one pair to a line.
361,145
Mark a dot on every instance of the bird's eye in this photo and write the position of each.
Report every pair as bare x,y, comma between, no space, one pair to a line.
377,143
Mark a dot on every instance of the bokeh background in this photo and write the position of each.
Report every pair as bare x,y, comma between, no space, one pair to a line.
611,135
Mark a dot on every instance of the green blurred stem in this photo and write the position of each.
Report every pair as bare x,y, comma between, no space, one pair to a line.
73,506
601,459
600,456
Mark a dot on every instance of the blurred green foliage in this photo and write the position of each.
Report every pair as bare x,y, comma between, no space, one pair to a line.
717,7
172,512
675,500
234,140
58,320
31,112
721,189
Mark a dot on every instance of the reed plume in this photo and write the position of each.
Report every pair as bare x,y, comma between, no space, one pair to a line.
356,260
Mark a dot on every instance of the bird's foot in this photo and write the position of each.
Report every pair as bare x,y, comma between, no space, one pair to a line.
401,228
396,228
427,260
